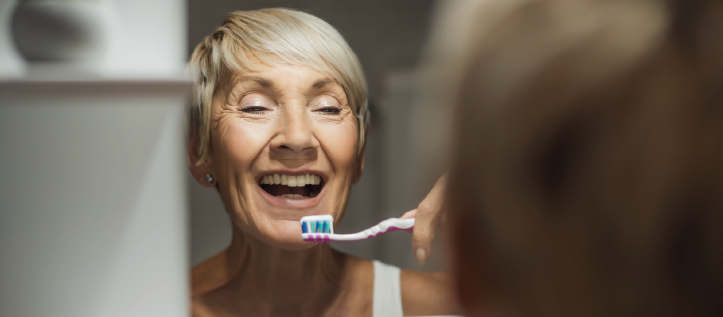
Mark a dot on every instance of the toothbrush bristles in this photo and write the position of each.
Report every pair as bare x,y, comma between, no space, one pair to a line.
317,224
317,227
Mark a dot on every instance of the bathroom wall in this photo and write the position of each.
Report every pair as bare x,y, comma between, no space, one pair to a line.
92,212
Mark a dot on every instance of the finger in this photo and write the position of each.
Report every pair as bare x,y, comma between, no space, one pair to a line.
409,214
426,220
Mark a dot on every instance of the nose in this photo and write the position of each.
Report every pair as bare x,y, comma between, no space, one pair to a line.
295,134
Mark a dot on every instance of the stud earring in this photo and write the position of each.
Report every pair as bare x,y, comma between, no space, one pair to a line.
209,178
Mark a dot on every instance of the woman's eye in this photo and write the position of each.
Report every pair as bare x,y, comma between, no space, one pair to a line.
330,110
254,109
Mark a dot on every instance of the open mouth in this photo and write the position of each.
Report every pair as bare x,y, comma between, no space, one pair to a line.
292,186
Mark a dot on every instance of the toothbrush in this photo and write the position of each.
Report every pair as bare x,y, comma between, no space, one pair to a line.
321,229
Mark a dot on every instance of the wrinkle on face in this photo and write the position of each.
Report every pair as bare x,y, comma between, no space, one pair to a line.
303,121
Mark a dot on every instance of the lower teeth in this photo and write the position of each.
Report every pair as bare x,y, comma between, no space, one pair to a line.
297,196
294,196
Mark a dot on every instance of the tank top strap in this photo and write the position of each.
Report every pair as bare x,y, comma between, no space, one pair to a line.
387,291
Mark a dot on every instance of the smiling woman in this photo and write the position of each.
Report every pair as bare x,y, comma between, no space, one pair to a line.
277,126
287,121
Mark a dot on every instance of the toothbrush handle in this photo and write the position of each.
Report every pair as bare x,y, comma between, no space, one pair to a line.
389,225
398,224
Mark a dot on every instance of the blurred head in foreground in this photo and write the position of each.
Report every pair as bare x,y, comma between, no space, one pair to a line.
587,173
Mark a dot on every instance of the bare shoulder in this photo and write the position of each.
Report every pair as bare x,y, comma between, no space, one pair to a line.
357,288
358,277
428,293
205,277
199,307
208,275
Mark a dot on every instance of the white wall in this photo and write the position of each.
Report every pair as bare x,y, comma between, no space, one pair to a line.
93,206
93,219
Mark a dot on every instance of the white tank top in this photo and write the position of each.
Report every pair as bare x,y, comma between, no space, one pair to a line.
387,300
387,292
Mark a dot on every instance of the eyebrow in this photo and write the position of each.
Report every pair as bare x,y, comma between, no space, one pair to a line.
261,81
322,82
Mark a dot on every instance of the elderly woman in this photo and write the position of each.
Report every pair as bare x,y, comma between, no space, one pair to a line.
278,126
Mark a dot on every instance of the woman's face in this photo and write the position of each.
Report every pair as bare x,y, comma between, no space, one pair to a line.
277,127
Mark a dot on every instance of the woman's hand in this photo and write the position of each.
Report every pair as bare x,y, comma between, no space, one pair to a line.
427,216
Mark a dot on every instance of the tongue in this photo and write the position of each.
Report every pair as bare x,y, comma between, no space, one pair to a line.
278,190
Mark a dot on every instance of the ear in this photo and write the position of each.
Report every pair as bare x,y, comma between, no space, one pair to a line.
359,170
198,171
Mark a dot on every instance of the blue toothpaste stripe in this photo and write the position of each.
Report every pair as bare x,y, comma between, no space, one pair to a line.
318,226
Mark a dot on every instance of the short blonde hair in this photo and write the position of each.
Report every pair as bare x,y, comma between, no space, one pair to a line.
268,36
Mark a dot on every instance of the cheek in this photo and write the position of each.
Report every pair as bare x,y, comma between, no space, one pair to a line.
242,142
340,144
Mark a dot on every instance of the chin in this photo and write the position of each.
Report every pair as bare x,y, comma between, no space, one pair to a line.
287,236
293,245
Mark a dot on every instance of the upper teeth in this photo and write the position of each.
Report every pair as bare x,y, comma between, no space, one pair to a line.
291,180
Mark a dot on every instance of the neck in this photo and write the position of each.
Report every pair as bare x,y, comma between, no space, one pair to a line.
276,279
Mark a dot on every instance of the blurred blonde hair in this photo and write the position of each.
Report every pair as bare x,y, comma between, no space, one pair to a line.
271,36
587,177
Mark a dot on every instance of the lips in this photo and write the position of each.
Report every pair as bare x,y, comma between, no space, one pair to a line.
292,186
